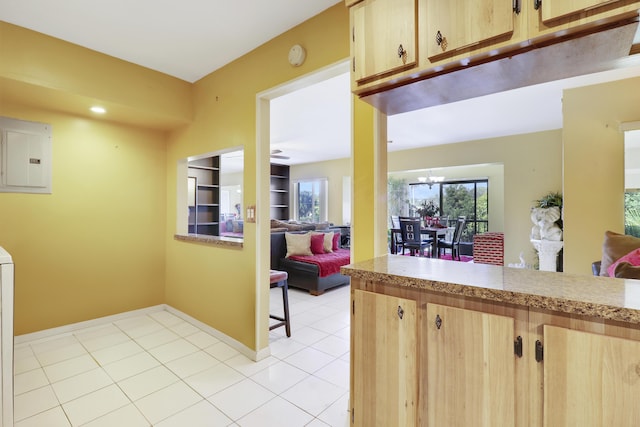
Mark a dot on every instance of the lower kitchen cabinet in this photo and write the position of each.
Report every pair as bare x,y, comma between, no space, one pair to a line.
590,379
424,358
384,387
470,368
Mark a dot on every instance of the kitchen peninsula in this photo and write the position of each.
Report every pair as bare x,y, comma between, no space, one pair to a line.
457,344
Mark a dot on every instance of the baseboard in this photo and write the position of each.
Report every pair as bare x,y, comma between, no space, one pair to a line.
68,329
46,334
251,354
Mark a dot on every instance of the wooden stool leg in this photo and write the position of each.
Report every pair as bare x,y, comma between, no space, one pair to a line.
285,302
286,320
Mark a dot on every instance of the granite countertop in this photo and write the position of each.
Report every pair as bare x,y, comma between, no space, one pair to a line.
229,242
602,297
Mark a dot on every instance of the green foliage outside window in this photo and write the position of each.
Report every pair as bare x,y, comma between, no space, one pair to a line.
309,200
397,196
307,209
458,200
632,212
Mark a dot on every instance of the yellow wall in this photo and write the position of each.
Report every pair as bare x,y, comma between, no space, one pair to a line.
594,166
218,285
103,242
95,246
363,205
61,76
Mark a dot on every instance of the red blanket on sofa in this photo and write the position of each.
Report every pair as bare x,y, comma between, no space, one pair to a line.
328,264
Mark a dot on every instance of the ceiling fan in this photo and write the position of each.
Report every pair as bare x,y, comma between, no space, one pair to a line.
275,154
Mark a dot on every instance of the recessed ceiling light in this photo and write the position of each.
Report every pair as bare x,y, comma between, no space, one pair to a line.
99,110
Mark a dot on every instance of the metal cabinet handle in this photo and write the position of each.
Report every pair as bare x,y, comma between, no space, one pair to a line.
401,51
441,41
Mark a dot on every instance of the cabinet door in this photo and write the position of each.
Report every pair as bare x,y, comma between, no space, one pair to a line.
383,37
590,379
470,368
560,8
384,380
456,24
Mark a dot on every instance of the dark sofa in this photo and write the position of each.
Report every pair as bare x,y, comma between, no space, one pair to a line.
301,274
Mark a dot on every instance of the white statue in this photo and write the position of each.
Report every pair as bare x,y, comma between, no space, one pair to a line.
521,264
545,227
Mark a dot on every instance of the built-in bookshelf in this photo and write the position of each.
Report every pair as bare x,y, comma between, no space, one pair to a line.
204,213
279,191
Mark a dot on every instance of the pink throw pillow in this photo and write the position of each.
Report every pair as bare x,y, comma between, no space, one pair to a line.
317,244
336,241
632,258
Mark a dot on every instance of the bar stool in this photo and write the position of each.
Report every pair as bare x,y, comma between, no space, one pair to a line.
279,279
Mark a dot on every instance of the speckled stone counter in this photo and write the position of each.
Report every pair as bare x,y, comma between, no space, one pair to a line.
600,297
229,242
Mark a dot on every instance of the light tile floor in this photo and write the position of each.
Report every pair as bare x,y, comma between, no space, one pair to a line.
160,370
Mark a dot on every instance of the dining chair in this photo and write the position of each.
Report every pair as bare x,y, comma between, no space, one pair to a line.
395,223
416,218
454,243
397,238
412,237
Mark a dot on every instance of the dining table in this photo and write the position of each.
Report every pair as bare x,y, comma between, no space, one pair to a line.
433,232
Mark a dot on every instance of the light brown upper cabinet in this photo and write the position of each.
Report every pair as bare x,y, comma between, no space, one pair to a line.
383,38
562,8
452,25
400,42
564,17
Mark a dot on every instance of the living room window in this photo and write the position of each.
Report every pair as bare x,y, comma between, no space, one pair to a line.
310,200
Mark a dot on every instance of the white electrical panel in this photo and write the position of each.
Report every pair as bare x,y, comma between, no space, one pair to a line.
25,156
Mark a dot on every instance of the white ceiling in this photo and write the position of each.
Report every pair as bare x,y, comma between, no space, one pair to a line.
299,123
192,38
187,39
